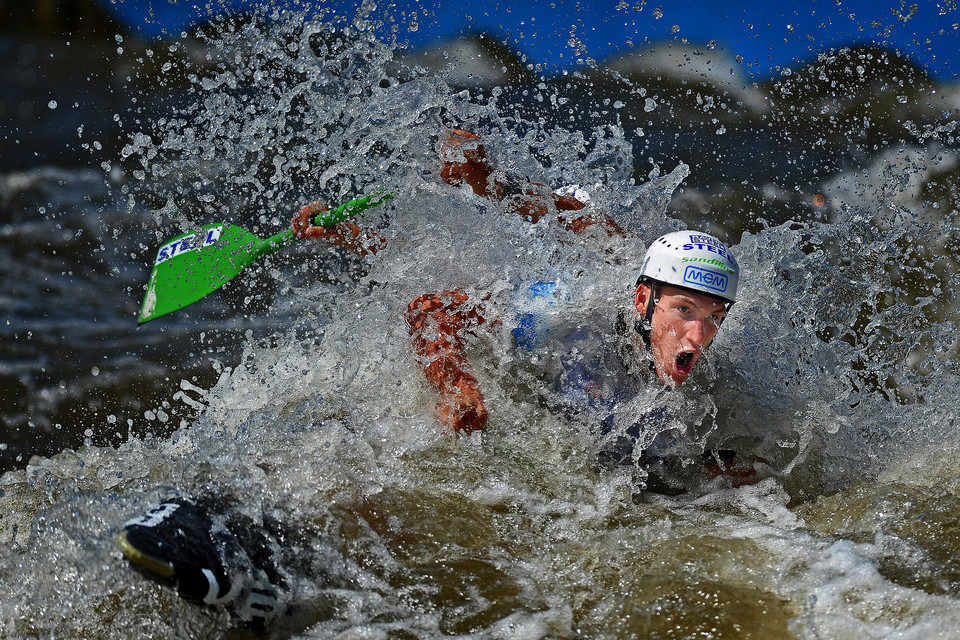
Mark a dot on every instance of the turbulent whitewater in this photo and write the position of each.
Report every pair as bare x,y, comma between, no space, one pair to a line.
838,367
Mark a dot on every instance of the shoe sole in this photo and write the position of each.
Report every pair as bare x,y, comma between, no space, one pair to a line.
152,564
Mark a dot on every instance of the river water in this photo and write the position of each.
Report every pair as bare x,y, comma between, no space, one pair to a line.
293,394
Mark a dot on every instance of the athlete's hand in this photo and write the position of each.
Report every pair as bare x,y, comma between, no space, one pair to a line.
302,225
460,408
463,159
344,234
581,224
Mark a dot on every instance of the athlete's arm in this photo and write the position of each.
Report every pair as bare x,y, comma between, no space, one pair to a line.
345,234
464,160
436,321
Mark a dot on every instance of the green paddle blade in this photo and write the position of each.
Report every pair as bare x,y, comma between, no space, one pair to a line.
195,264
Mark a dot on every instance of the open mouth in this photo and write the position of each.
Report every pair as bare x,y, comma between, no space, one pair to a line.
685,362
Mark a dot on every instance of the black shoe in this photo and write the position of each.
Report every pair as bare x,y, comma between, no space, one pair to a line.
175,541
180,543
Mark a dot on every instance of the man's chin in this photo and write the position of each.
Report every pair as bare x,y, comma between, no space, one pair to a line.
670,376
675,375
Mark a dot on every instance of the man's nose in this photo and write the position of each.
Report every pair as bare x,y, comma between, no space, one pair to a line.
696,333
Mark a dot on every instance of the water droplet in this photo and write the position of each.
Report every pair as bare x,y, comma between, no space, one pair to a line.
52,104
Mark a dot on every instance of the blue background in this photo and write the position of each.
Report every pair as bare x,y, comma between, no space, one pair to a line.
766,34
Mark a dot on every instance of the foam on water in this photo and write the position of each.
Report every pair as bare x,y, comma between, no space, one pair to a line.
836,367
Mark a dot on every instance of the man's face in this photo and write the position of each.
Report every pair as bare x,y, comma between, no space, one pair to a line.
684,324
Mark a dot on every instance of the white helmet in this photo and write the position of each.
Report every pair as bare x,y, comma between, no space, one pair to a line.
692,260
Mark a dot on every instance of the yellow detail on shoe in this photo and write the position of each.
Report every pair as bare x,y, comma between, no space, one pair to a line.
148,562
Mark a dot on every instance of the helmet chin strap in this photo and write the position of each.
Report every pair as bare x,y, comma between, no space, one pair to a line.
645,324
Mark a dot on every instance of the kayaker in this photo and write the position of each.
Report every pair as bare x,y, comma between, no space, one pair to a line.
687,283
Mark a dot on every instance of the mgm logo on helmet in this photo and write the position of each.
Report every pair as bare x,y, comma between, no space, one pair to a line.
706,278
